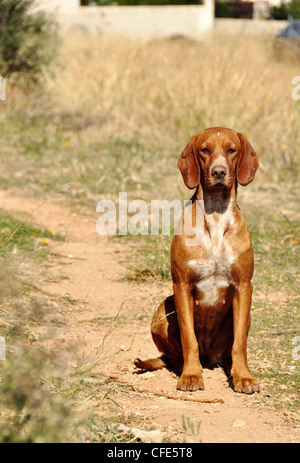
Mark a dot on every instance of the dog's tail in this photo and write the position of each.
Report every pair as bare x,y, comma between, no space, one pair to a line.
151,364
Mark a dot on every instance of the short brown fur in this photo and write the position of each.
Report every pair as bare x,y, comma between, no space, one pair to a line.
208,315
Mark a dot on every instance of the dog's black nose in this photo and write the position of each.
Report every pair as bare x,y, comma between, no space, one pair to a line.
219,172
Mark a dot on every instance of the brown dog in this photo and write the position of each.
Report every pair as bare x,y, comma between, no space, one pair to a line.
208,316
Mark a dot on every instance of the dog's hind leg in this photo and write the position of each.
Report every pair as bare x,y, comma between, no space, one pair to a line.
166,336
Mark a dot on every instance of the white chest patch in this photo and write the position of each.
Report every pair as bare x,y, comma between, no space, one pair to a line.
215,270
214,274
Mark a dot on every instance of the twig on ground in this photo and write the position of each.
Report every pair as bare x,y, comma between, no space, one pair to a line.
279,331
161,394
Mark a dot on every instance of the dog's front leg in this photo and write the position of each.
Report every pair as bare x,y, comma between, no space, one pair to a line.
241,377
191,378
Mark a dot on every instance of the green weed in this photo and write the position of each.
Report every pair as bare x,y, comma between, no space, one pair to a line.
21,236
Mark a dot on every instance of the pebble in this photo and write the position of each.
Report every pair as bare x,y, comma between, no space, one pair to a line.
238,423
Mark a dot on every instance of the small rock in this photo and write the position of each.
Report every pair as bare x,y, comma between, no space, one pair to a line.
283,386
148,374
155,436
238,423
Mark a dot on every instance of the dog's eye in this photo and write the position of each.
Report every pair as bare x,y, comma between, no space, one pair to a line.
205,151
231,151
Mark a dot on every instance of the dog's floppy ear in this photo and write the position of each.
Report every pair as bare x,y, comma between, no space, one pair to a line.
247,162
188,164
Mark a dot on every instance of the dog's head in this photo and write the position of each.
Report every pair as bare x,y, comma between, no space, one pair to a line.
215,157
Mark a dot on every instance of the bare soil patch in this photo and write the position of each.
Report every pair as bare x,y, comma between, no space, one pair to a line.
108,319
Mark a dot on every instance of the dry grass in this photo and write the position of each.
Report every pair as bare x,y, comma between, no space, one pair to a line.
163,91
114,117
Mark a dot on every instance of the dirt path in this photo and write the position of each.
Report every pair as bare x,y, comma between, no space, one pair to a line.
108,320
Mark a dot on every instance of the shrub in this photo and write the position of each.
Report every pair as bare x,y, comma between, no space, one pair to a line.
294,9
233,9
27,41
283,10
279,12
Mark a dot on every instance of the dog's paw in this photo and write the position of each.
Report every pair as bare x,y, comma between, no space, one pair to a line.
247,385
190,382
